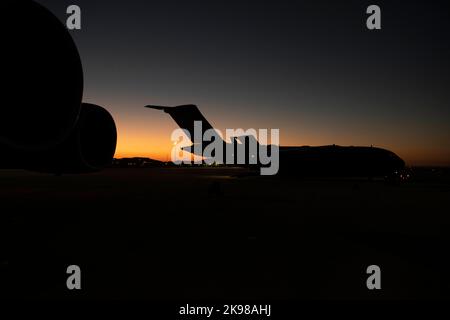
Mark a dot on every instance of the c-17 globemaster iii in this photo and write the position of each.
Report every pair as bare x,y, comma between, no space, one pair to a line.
324,161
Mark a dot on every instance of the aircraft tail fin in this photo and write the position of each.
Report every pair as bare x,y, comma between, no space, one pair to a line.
185,116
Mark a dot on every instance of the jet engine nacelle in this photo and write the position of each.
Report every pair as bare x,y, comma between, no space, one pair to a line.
89,148
43,124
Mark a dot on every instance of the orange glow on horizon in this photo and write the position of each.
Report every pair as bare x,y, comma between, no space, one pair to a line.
159,147
148,134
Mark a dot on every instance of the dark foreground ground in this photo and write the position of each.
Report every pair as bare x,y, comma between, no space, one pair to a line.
180,233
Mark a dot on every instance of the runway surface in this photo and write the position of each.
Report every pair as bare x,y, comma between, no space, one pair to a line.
217,233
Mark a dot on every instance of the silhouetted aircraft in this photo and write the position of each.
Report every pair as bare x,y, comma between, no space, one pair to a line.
44,125
330,161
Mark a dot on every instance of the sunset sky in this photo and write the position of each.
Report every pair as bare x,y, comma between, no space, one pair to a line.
309,68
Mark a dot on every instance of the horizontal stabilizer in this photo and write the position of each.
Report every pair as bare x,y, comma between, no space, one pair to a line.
185,116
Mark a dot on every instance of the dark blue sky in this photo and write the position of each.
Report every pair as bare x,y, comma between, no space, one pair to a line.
309,68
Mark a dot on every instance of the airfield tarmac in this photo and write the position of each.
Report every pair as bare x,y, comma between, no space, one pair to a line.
217,233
